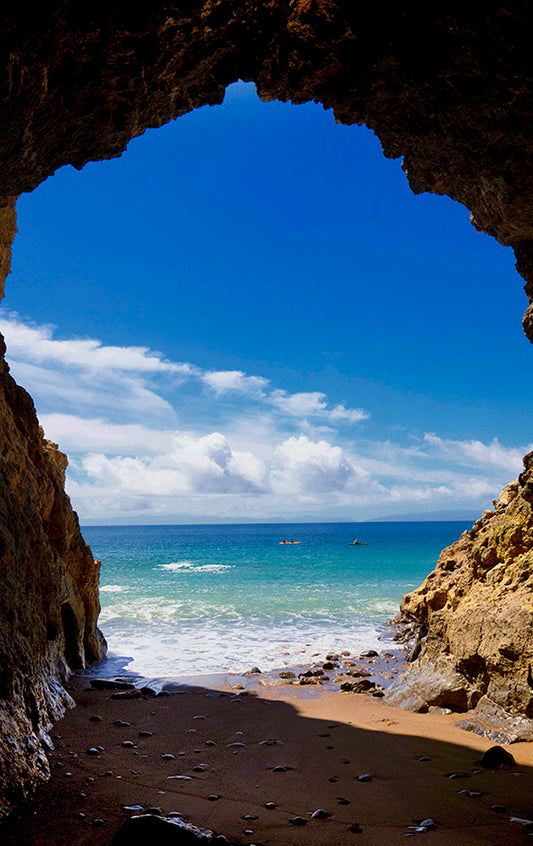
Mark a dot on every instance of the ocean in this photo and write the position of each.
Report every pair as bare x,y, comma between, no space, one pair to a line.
195,600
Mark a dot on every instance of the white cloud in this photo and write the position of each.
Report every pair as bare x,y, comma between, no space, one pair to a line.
352,415
224,381
473,452
144,439
299,404
81,435
37,344
304,466
194,465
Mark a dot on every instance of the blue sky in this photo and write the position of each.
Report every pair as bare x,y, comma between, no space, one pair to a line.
250,316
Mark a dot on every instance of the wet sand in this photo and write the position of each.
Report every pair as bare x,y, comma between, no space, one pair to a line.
229,745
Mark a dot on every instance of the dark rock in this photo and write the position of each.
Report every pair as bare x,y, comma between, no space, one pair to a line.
499,809
370,653
138,831
355,828
93,751
111,684
298,821
96,718
148,692
286,674
496,757
270,806
364,777
329,665
146,734
254,670
320,814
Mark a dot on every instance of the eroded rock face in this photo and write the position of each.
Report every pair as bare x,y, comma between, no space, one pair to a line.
474,615
49,592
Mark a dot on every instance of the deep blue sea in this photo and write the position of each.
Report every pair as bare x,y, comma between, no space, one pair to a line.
191,600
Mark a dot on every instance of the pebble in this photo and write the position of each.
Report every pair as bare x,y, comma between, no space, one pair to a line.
200,768
122,723
458,775
213,797
364,777
237,687
133,808
270,806
270,742
93,751
250,817
254,670
168,756
370,653
175,814
81,815
320,814
98,822
210,743
128,744
180,778
286,674
146,734
429,823
298,821
248,831
96,718
497,756
424,758
281,769
200,717
82,796
355,828
235,744
156,812
499,809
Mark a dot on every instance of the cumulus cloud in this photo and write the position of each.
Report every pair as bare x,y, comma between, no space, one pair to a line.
193,465
304,466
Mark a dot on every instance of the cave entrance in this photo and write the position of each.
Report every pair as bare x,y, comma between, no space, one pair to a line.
309,362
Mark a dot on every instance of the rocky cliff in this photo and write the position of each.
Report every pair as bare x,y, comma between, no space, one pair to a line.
49,592
473,617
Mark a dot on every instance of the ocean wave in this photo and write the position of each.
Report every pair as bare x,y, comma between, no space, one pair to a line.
176,566
111,588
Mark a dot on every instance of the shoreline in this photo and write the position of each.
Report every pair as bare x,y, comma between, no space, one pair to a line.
172,753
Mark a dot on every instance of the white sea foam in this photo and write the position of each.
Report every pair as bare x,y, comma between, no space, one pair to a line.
176,566
111,589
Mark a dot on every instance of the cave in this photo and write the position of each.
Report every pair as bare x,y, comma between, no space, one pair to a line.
449,91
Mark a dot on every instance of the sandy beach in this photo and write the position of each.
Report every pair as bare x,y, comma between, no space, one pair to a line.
254,768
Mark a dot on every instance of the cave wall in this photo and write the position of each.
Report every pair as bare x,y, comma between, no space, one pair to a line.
450,91
49,593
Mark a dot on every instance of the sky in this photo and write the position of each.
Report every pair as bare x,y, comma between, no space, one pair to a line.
250,316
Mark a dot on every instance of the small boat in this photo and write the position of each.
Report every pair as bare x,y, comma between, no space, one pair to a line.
358,543
288,543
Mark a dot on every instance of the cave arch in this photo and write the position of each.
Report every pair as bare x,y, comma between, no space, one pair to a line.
448,91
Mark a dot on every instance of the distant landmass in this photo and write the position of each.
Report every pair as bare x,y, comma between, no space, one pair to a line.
452,514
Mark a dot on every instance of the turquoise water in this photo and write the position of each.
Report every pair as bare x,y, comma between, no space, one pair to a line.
184,600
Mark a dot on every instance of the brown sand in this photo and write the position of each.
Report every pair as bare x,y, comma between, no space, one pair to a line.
327,740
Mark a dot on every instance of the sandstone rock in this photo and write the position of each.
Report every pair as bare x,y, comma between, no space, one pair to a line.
475,615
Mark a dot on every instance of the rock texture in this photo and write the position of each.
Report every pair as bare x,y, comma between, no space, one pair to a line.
474,620
49,593
447,87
